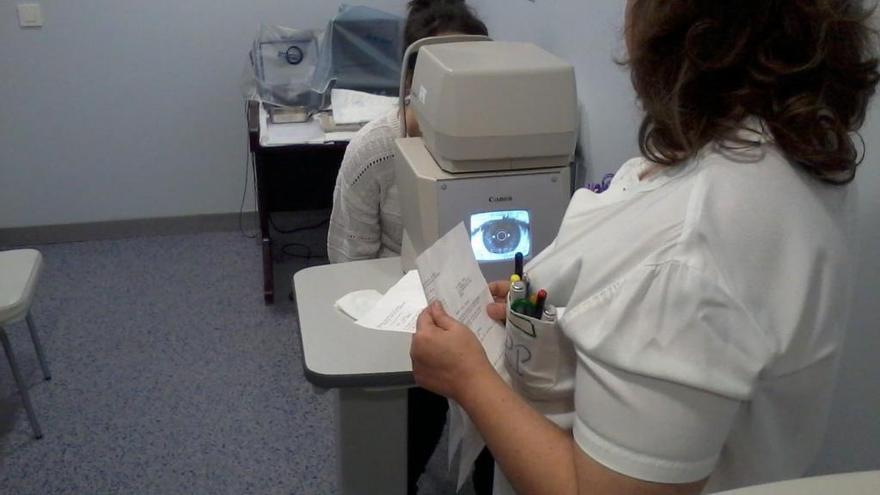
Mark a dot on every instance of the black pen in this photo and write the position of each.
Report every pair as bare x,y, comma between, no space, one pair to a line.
518,265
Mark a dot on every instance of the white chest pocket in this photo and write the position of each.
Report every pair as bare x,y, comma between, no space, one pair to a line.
539,357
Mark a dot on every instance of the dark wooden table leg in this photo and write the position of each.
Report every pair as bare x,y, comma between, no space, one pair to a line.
268,273
262,203
266,236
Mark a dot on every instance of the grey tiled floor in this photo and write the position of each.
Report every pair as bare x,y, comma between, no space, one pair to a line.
169,376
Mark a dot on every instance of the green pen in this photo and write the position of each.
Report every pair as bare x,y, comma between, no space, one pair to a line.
522,307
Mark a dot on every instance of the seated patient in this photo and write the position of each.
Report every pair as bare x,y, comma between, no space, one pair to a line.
366,222
366,218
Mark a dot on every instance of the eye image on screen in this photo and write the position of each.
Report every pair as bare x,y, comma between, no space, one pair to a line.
499,235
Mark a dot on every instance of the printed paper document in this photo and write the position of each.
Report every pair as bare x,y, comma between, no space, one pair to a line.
399,308
450,274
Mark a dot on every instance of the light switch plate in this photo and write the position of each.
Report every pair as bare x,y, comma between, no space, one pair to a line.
30,15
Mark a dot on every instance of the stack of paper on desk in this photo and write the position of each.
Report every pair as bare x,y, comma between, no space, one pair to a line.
352,107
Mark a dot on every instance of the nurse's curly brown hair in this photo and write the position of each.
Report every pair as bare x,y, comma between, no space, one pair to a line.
806,68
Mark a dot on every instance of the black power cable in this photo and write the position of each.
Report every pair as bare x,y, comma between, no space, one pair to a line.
286,248
248,168
298,229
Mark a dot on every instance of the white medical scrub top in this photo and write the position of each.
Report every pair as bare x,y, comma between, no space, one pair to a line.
707,306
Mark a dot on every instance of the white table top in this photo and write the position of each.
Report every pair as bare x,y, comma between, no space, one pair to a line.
336,352
867,483
309,132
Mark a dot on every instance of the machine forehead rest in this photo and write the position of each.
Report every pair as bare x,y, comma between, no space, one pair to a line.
494,106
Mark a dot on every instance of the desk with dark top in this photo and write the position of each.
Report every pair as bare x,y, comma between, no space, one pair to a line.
292,174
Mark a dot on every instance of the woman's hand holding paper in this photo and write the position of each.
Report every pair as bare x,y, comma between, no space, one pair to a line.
447,357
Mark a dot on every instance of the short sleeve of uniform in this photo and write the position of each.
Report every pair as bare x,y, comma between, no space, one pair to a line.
665,360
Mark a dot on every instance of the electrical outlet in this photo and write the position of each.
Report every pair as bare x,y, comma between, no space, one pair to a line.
30,15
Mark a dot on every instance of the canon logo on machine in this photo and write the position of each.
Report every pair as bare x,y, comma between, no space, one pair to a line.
501,199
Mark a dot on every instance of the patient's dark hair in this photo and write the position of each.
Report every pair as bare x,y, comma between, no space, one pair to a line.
807,68
432,17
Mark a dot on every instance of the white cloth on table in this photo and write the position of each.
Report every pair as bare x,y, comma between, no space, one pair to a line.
359,303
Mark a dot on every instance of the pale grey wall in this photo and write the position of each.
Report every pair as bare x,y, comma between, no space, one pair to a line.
130,109
589,35
853,442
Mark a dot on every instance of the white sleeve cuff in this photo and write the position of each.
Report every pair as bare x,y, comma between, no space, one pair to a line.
636,465
649,429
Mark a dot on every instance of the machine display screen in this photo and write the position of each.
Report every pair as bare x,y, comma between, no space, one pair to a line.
499,235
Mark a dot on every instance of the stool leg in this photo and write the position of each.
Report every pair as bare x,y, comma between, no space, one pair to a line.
25,397
38,347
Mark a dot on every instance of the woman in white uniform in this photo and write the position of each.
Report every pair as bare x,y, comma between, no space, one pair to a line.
366,221
707,290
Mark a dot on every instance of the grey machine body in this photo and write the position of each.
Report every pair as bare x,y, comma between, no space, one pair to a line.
499,129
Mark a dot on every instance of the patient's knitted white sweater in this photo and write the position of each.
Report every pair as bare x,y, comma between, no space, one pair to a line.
366,222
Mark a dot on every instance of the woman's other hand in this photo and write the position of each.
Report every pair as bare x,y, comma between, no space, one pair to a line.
446,355
498,309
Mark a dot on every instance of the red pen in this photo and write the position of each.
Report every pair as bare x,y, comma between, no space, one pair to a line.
540,300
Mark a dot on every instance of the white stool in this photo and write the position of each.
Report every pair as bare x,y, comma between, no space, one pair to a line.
19,271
